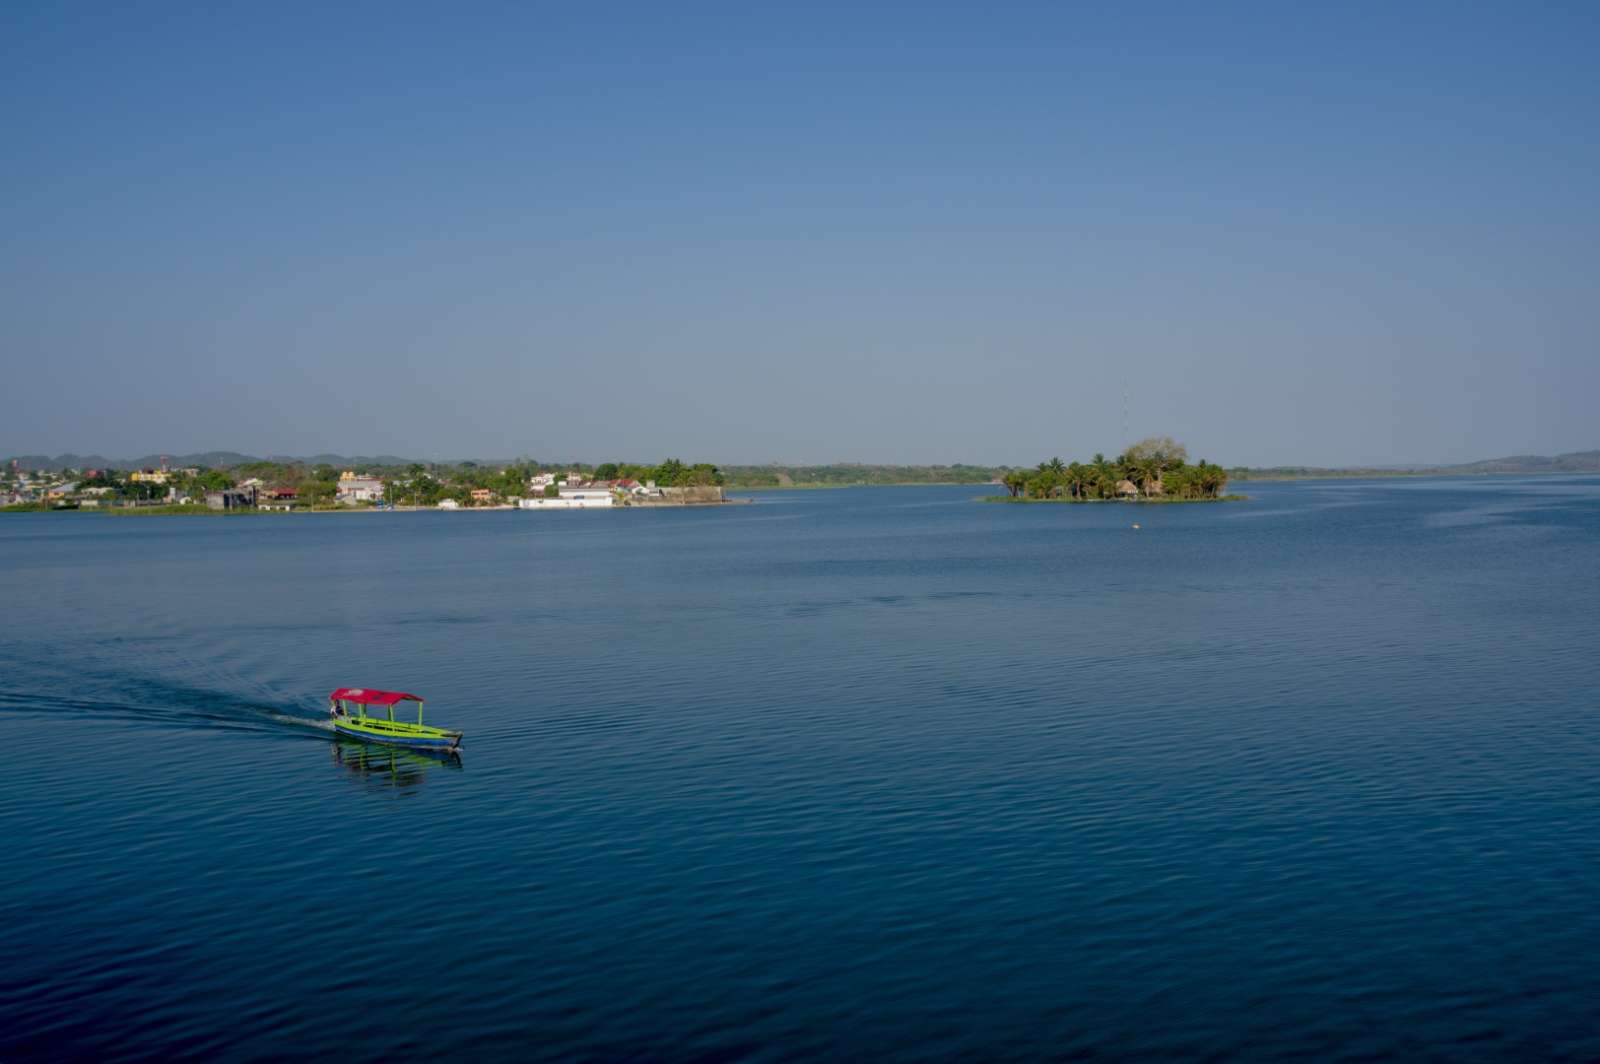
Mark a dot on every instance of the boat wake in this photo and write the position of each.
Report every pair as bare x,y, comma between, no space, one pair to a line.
143,700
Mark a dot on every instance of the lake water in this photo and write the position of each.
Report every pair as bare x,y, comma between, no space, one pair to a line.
877,773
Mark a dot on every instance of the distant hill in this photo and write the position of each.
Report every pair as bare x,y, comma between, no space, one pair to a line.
44,463
207,459
1573,462
343,459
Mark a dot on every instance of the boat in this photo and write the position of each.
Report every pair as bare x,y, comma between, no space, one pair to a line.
347,708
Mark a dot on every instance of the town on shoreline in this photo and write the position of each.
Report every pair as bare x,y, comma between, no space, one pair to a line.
279,487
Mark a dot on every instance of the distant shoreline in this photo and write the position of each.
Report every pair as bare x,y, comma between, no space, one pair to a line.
251,511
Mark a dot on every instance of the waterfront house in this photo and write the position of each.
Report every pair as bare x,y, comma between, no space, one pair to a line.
633,488
354,488
589,495
282,499
572,498
231,499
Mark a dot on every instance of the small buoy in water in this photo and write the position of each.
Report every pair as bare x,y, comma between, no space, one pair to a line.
1135,526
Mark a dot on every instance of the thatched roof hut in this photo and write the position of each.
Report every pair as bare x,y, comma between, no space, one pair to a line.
1127,487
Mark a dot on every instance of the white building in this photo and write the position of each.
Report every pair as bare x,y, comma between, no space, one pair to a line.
353,488
573,499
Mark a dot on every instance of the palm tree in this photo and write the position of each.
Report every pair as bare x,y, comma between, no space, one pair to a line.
1103,477
1144,472
1213,479
1076,474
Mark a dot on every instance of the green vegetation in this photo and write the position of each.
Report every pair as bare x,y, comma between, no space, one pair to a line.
850,474
674,474
1154,469
1153,500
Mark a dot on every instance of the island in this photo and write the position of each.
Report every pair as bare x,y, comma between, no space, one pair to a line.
1156,469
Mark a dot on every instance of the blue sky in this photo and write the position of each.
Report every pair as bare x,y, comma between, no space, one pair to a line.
1326,234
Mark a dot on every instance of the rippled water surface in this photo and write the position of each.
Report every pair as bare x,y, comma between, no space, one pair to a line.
873,773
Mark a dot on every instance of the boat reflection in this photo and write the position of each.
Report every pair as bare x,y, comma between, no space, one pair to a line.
391,767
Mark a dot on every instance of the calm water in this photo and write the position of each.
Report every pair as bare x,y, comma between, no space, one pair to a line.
878,773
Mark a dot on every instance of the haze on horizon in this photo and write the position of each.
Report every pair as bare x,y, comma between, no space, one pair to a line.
1333,235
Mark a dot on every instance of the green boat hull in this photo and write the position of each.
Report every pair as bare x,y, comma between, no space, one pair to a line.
397,733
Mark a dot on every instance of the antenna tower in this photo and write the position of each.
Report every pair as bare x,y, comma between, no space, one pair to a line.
1125,440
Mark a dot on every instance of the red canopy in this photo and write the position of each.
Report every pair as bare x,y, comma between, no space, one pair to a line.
368,697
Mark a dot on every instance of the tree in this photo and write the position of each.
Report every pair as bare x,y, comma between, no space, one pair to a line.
605,471
1077,477
1144,471
214,480
1164,449
1103,478
318,491
703,474
1042,485
669,474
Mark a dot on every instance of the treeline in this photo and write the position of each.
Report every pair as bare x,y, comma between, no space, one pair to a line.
672,473
1157,467
850,473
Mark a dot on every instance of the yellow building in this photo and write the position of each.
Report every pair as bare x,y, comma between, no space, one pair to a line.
149,476
355,488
